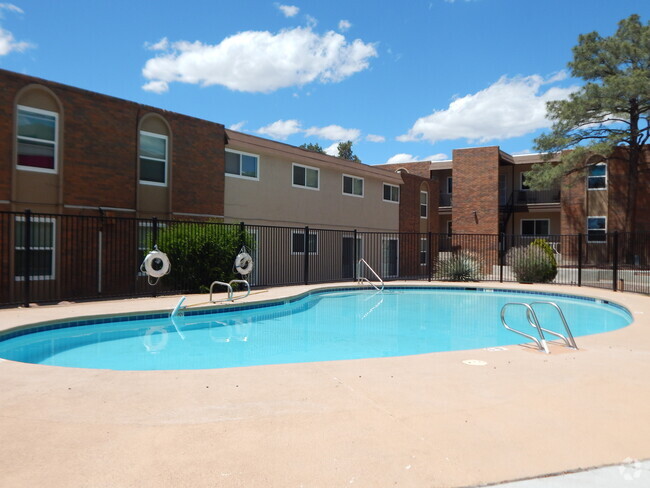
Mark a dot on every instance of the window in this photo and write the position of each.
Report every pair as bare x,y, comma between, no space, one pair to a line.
522,184
424,204
352,186
449,187
37,140
391,193
424,249
535,227
306,177
596,229
153,159
41,248
597,179
298,243
241,164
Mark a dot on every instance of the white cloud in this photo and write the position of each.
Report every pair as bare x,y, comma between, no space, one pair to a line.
161,45
156,87
437,157
260,61
334,133
375,138
280,129
401,158
8,42
288,10
10,7
511,107
238,126
344,25
333,149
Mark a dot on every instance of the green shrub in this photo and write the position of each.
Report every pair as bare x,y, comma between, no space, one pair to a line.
531,264
201,253
460,266
543,244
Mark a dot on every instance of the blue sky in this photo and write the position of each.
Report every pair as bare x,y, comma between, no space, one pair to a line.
405,80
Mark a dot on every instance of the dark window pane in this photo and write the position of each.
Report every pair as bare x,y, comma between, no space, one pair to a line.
152,170
249,166
298,243
232,163
347,184
386,192
299,175
312,178
528,227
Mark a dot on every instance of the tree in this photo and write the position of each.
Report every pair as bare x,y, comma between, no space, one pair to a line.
345,152
313,147
610,111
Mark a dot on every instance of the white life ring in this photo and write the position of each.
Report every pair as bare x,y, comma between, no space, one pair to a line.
244,263
152,257
160,344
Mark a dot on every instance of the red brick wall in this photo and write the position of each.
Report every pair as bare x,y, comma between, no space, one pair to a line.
420,168
573,204
476,191
409,203
100,158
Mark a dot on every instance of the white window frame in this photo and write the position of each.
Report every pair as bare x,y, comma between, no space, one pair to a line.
424,251
301,253
449,182
305,187
604,241
396,187
165,161
424,205
521,227
32,139
39,220
363,186
242,153
602,163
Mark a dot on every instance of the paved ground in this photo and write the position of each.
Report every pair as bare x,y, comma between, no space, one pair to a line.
419,421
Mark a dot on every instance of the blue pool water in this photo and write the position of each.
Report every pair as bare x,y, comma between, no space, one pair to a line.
323,326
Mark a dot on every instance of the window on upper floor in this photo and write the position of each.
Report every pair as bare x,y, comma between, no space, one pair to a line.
449,186
42,243
242,165
37,139
535,227
424,204
522,181
305,177
352,186
298,243
153,159
391,193
596,229
597,179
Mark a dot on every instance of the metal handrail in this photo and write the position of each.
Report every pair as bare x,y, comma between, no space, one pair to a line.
227,285
361,279
569,340
231,297
530,314
248,289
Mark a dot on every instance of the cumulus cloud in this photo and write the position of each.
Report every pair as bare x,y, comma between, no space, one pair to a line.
8,42
238,126
375,138
344,25
511,107
288,10
334,133
280,129
333,149
161,45
156,87
437,157
401,158
260,61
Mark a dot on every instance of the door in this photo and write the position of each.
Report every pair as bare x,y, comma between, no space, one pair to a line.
389,256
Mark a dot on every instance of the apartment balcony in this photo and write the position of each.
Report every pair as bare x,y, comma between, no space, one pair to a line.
527,197
445,200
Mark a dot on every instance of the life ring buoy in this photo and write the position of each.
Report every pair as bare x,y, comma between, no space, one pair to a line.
244,263
158,345
156,264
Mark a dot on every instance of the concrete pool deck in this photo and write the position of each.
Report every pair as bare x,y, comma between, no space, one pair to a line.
416,421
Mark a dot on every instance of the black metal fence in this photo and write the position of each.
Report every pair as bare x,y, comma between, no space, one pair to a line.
50,258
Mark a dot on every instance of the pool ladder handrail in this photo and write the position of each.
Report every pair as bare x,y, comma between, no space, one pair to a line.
231,297
531,316
363,279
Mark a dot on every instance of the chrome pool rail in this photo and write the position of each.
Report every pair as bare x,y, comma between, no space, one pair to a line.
569,340
530,314
363,279
231,297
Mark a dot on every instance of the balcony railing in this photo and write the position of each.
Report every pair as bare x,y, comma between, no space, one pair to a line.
445,200
523,197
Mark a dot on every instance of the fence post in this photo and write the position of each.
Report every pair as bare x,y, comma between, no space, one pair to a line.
429,256
615,263
242,235
306,246
154,231
27,246
355,258
579,259
501,255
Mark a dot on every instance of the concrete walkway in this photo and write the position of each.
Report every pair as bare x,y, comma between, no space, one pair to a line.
429,420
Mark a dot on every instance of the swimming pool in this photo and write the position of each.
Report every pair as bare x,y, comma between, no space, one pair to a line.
323,325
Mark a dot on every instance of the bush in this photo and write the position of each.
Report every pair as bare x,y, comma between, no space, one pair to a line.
201,253
532,264
460,266
543,244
